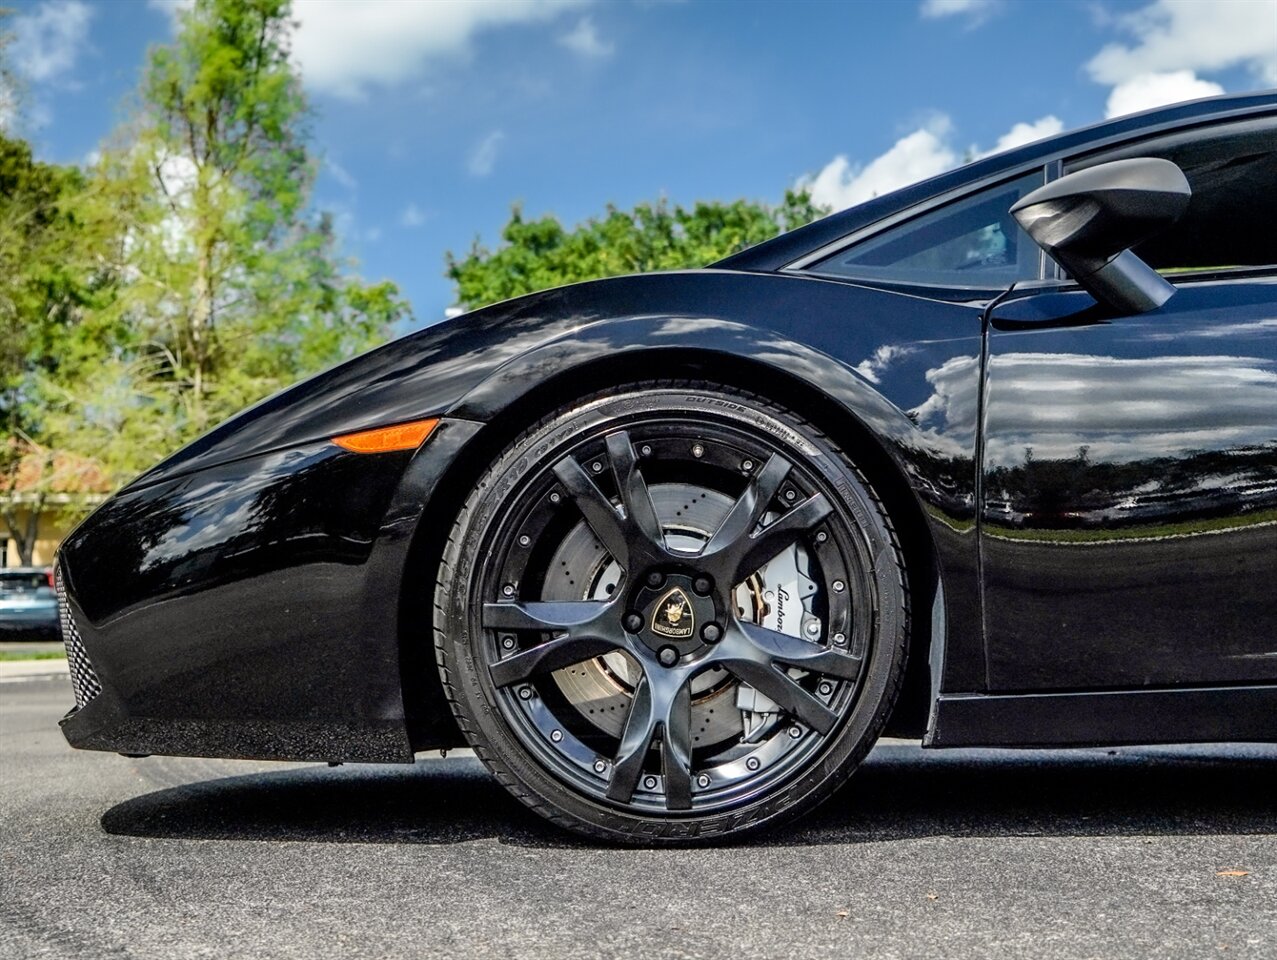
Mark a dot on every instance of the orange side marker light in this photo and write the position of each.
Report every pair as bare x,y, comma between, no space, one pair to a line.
402,436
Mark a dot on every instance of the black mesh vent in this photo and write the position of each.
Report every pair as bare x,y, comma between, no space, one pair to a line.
83,679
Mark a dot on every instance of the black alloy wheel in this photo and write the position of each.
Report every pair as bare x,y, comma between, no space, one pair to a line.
672,612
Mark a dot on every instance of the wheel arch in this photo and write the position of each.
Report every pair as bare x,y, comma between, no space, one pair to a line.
519,410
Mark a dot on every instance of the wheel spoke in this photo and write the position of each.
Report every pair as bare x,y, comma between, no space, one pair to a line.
636,738
760,665
663,708
635,497
548,657
542,615
585,622
598,510
754,552
676,750
750,506
796,652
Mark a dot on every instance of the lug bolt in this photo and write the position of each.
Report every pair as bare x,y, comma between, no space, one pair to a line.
556,735
703,780
555,498
840,639
525,693
839,586
507,642
649,783
711,633
596,466
668,656
654,579
633,622
822,537
698,450
753,763
524,540
826,688
813,628
795,733
600,766
702,585
508,589
747,465
646,451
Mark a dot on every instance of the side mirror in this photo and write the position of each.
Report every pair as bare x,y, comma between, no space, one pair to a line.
1089,220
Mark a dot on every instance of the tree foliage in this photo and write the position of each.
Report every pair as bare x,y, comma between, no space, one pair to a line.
224,287
535,254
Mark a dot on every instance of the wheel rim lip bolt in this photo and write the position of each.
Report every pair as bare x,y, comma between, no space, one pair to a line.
839,586
753,763
703,780
524,540
525,693
821,537
600,766
795,733
747,465
508,642
649,783
698,450
646,451
791,495
556,736
508,590
840,639
555,498
597,466
826,688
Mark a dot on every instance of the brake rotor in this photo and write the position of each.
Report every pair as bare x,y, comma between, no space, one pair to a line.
581,569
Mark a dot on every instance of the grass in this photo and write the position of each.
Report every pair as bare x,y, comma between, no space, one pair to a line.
33,655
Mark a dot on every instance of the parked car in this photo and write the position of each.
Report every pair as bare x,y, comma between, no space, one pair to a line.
671,551
28,604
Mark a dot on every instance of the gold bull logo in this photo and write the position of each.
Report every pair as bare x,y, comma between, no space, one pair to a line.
673,616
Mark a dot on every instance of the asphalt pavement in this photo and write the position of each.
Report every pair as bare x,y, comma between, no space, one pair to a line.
1150,852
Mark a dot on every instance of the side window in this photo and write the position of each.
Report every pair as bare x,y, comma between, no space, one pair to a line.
1230,219
972,242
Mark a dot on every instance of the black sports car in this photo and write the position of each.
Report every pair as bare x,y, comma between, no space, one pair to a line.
991,460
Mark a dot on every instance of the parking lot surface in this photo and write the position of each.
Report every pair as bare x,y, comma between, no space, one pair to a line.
1135,852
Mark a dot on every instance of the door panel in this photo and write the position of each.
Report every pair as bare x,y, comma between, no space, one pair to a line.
1129,520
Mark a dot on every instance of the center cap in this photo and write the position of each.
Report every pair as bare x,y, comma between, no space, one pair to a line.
674,614
674,617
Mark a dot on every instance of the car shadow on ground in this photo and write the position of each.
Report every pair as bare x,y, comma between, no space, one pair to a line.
901,792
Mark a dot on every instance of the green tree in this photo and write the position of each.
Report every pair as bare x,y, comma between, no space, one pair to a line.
224,286
535,254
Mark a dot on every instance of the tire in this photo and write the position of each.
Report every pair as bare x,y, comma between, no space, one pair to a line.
716,658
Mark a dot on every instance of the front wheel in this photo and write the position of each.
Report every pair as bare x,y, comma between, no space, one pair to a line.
670,613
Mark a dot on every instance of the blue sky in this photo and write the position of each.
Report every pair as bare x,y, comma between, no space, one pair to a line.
433,117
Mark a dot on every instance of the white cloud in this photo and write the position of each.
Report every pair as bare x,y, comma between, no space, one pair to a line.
48,41
8,106
924,153
1023,133
919,155
975,10
171,8
1197,35
483,159
584,40
344,46
340,174
412,216
1148,90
